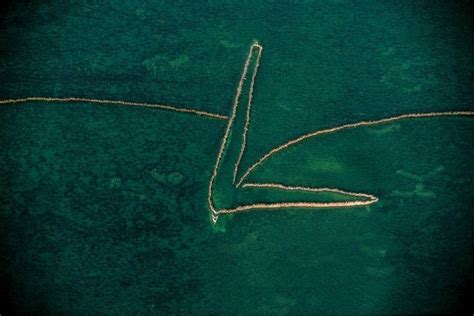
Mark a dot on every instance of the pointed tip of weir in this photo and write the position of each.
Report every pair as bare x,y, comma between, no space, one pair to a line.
256,43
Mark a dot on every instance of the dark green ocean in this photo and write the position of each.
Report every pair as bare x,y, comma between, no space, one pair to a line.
103,208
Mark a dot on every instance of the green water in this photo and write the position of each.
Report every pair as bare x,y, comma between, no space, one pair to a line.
103,209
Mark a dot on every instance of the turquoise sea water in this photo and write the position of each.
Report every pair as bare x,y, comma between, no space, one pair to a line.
103,209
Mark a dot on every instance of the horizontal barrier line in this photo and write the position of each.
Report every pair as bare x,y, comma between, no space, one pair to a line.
117,102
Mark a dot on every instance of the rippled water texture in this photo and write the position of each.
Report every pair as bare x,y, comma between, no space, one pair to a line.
103,208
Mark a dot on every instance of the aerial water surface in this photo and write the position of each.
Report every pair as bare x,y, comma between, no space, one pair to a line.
104,208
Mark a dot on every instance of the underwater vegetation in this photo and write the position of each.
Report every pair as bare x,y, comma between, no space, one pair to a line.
105,207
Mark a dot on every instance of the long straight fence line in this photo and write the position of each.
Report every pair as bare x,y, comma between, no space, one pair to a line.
114,102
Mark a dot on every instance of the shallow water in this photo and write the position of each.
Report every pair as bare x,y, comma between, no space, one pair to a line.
104,209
